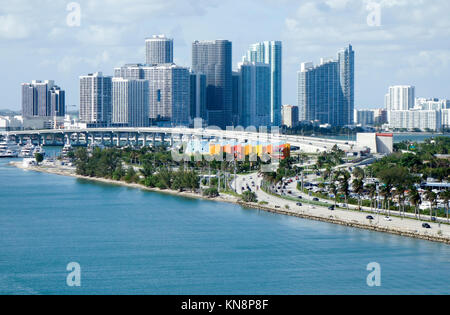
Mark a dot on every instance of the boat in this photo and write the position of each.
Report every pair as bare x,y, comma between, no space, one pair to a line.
65,150
9,149
30,150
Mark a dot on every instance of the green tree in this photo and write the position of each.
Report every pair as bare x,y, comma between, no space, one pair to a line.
415,200
39,158
249,196
432,198
358,188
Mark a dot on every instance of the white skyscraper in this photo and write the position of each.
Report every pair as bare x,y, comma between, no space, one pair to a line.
169,94
400,97
129,103
159,50
95,99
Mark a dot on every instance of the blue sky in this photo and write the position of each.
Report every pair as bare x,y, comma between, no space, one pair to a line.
411,46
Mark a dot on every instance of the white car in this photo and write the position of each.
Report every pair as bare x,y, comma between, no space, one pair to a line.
388,219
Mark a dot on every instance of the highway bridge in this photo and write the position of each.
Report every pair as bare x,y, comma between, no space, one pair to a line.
155,135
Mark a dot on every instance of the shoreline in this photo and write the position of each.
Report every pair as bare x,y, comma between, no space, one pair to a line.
303,214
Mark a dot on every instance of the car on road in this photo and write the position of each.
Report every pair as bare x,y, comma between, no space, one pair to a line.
277,207
299,204
388,219
426,226
290,192
331,208
369,217
300,197
316,199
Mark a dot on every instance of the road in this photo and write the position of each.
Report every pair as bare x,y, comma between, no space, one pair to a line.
400,224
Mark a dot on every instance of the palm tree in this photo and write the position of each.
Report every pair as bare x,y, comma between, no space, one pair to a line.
372,189
415,200
334,191
432,198
344,186
446,196
386,193
358,188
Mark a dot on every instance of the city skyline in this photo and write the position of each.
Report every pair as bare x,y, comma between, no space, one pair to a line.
385,55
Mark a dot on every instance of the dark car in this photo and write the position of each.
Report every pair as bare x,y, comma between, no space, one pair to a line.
300,197
369,217
331,208
316,199
299,204
426,226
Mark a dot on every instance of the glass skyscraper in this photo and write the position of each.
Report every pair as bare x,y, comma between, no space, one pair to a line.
214,59
326,91
270,52
254,94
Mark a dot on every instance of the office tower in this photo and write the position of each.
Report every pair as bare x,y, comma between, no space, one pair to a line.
159,50
57,98
431,104
169,94
198,96
290,116
214,59
364,117
95,99
169,91
132,71
346,64
270,52
326,91
42,99
380,116
236,97
319,93
424,120
400,97
255,94
129,103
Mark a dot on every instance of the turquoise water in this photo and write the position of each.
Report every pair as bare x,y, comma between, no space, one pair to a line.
132,242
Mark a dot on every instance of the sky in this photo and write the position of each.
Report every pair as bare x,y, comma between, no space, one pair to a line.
397,42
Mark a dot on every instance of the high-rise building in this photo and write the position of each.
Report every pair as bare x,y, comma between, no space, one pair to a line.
400,97
214,59
326,91
42,99
236,97
169,94
129,103
270,52
346,60
159,50
95,99
290,116
416,119
364,117
169,91
57,102
254,94
431,104
198,96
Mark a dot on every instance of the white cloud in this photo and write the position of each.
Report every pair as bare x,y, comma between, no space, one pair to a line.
11,27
